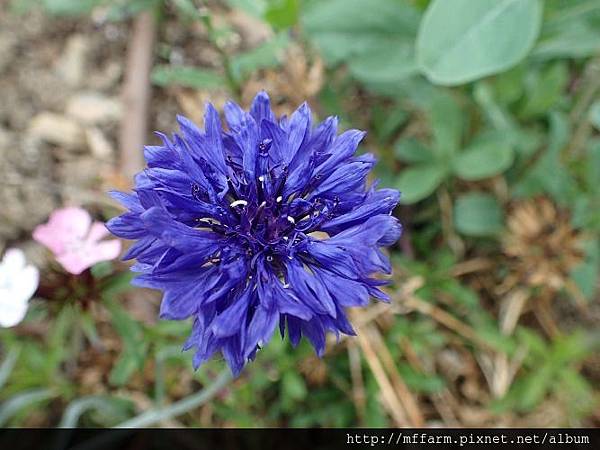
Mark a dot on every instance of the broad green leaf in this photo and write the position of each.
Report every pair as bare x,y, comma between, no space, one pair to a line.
484,159
385,64
191,77
463,40
477,214
282,14
419,182
447,125
375,37
412,151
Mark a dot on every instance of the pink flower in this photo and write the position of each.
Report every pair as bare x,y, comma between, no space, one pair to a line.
75,240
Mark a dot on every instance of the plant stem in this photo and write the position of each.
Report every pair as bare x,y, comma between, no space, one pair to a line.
187,404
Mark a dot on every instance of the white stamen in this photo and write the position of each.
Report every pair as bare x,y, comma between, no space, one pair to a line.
291,219
278,199
261,178
239,203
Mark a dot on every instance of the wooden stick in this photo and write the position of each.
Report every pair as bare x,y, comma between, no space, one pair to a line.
136,94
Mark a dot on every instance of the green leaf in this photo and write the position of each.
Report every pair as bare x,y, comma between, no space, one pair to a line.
545,89
447,125
419,182
595,114
21,401
293,386
135,347
477,214
576,40
536,180
421,382
70,7
484,159
191,77
413,151
586,274
282,14
385,64
569,30
110,407
263,56
375,37
8,364
463,40
101,270
386,122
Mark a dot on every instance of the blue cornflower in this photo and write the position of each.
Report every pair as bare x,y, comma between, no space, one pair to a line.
269,223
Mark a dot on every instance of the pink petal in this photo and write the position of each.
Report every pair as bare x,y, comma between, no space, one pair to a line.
72,223
77,261
47,236
97,232
73,262
108,250
65,226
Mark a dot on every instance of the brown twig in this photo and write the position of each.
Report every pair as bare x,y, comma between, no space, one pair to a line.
136,93
409,402
389,397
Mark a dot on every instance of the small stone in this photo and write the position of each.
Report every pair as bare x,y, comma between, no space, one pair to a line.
57,129
71,65
91,108
98,144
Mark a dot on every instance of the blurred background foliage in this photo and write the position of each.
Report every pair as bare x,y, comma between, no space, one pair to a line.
486,115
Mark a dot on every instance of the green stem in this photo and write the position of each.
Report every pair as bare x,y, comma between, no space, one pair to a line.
183,406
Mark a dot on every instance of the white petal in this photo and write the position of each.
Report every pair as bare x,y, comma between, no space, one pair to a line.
11,312
13,261
25,284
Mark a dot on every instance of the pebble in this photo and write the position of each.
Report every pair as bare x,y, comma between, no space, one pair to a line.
92,108
57,129
98,143
71,64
